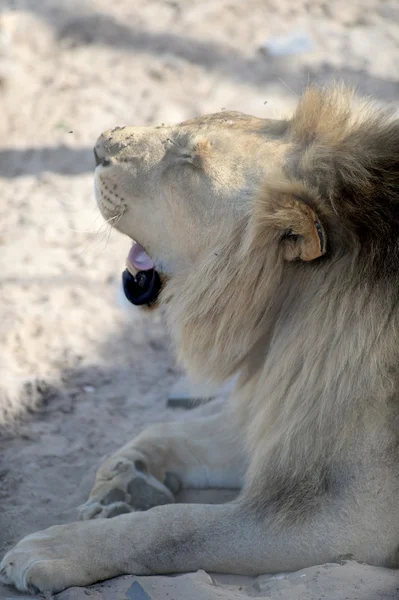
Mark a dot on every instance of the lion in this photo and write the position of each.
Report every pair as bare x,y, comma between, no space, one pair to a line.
277,245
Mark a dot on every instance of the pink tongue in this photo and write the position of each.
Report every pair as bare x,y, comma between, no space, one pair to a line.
139,258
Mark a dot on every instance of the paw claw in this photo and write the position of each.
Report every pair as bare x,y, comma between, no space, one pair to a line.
95,510
49,561
119,508
89,510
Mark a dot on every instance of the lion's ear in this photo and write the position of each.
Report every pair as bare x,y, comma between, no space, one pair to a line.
302,235
304,238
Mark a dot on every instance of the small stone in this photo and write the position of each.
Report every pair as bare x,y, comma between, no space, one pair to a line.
287,45
89,389
136,592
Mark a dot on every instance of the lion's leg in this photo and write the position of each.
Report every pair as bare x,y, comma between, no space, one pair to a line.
229,538
151,469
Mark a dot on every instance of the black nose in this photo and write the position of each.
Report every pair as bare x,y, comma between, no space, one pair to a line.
97,158
101,161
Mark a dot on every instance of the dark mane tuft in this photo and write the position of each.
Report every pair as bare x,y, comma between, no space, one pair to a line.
350,153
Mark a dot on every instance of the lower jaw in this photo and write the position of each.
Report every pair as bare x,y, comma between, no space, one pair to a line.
141,280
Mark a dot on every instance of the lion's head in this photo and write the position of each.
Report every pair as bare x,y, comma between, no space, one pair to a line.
247,217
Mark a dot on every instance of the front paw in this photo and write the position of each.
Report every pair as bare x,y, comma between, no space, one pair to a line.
124,486
34,565
51,560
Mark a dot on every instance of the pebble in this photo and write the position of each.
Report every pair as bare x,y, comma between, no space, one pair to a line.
288,45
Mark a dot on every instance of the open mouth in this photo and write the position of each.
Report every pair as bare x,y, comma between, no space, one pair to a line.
141,281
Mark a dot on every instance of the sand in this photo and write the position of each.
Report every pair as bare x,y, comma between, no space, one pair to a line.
79,376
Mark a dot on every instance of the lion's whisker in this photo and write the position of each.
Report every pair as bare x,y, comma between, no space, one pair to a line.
96,242
93,230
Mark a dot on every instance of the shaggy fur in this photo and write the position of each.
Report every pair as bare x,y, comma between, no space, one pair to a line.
318,343
279,242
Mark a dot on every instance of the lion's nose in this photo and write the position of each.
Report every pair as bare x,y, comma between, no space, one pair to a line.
102,149
108,144
97,158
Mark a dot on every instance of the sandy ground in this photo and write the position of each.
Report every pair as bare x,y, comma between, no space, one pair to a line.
79,376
